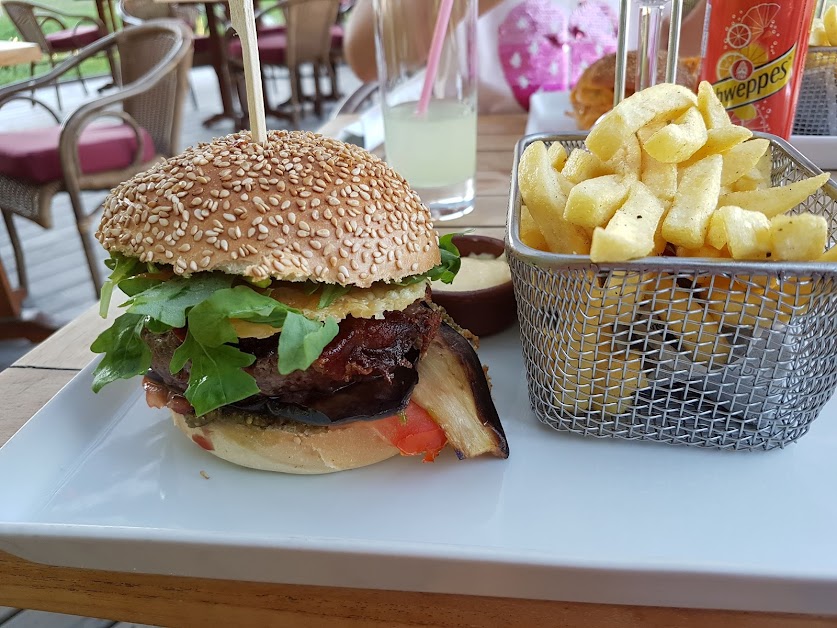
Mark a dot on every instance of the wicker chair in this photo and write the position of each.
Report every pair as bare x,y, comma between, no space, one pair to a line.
136,12
33,21
306,38
36,164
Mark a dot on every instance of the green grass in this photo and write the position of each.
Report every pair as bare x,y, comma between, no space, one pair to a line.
92,67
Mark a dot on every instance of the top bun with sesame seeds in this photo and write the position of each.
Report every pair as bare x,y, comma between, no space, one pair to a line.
301,207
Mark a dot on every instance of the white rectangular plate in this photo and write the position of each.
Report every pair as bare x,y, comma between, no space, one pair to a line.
102,481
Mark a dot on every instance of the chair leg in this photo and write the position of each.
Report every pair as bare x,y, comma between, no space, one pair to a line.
332,75
193,95
81,80
296,101
31,76
87,242
17,249
318,94
57,88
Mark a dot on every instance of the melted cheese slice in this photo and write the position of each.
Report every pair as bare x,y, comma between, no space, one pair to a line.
358,302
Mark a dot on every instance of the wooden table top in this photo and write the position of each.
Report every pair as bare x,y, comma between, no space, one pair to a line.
178,601
17,52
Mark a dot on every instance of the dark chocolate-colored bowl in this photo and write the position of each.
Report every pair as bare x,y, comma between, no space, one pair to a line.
482,312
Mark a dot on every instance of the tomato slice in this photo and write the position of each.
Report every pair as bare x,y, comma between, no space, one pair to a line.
414,432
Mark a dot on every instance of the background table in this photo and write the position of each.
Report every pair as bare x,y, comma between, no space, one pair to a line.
175,601
17,52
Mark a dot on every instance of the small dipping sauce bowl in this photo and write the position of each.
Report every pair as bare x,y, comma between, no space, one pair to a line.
485,311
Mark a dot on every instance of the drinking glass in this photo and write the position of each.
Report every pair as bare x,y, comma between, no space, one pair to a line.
436,149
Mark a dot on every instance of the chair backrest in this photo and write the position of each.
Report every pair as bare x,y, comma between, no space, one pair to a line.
135,12
143,52
23,16
308,24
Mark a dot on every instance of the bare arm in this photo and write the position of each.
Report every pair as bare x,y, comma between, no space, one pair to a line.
359,42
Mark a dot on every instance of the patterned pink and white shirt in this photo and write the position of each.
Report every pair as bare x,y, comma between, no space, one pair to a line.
531,45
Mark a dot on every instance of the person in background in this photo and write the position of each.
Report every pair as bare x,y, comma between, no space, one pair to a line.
525,45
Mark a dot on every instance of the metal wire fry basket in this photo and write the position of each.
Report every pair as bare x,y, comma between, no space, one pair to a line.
712,353
816,109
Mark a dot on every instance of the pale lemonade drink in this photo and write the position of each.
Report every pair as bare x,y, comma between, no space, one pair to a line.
435,152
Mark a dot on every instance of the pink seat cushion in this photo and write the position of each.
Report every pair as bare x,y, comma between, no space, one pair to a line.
272,47
201,44
32,155
74,38
336,36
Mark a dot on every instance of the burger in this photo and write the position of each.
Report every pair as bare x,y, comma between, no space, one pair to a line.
278,304
592,96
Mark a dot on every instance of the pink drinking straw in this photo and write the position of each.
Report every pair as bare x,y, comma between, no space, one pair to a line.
434,55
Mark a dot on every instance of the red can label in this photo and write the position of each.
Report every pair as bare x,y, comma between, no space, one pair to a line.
754,55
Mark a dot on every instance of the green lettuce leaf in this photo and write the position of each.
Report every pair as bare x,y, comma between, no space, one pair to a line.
169,301
216,377
121,267
302,341
446,269
126,355
330,293
209,321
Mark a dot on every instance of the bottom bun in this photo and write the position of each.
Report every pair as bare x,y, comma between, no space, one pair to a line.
293,448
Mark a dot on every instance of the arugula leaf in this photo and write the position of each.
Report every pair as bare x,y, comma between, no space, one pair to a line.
446,270
132,286
209,320
215,375
169,301
331,292
302,341
121,267
126,355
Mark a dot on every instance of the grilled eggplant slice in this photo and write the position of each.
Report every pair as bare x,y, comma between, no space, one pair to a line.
453,388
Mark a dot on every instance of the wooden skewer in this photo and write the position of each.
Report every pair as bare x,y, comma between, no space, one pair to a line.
244,23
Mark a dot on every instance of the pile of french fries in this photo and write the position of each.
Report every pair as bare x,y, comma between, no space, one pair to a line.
666,167
664,173
824,31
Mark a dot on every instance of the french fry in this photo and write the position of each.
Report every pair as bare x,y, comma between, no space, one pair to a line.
659,177
774,201
741,159
830,23
616,378
593,202
530,234
582,165
630,234
706,251
799,238
687,221
616,126
719,140
696,327
679,140
714,114
542,194
557,155
745,233
818,36
829,256
627,161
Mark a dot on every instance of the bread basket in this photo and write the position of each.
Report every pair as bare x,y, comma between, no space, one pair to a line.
701,352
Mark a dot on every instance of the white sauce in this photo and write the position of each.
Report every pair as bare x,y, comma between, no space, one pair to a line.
478,272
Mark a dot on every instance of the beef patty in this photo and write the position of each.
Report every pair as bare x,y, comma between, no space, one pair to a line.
364,349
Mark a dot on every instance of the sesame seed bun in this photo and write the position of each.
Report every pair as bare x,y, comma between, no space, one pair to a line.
292,448
301,207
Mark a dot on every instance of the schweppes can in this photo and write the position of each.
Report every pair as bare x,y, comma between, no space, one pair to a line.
754,54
